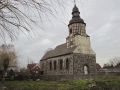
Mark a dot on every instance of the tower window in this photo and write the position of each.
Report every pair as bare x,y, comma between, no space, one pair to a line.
70,31
71,42
54,65
61,64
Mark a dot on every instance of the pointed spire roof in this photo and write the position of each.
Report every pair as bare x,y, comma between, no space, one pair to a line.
76,16
75,9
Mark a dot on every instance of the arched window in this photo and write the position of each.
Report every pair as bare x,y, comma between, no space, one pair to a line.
67,64
50,65
61,64
86,70
54,65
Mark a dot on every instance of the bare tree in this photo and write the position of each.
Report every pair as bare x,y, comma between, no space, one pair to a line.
113,63
13,19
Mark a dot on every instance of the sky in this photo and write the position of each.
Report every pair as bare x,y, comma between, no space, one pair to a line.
103,25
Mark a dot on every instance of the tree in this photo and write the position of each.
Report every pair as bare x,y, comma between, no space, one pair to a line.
7,56
13,19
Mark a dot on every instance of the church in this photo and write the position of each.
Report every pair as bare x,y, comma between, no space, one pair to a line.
73,59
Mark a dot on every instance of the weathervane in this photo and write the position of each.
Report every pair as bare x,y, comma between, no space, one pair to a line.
74,2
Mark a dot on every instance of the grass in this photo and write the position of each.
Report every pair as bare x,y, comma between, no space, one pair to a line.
65,85
33,85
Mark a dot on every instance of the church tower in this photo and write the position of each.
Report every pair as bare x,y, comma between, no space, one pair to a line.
77,34
84,58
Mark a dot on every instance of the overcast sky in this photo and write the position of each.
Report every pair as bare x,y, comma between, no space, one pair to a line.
103,25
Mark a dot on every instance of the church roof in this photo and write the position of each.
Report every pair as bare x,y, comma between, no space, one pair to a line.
58,51
76,20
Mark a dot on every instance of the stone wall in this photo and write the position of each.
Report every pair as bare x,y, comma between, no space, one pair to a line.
46,66
76,67
81,60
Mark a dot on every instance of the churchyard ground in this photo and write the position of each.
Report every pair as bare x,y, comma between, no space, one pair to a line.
98,84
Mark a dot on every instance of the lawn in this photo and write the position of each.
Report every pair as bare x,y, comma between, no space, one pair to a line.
111,84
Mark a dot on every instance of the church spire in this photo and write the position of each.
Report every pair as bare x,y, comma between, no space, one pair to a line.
75,8
76,15
75,11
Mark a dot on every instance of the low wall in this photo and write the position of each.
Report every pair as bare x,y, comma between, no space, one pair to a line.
64,77
56,77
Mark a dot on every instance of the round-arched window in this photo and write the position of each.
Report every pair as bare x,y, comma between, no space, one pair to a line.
61,64
54,65
50,65
86,70
67,64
